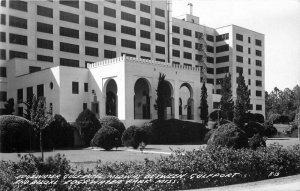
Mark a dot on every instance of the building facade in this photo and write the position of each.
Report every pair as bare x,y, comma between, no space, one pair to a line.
53,41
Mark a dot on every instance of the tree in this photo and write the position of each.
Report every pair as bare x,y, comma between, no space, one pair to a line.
9,107
40,117
28,105
242,104
226,103
161,101
204,105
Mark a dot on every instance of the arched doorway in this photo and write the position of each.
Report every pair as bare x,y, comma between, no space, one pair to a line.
142,99
186,102
111,102
168,96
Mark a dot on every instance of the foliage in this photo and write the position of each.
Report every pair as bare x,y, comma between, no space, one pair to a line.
292,129
134,136
242,104
256,117
257,141
270,130
214,115
203,104
114,121
9,107
87,125
208,135
106,137
161,101
283,119
253,128
228,135
16,134
226,103
274,117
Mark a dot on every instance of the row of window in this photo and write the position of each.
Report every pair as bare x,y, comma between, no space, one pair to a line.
240,37
75,87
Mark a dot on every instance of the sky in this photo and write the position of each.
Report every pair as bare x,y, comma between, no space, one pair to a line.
279,20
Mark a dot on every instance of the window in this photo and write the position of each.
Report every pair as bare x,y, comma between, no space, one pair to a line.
160,25
258,63
69,17
258,73
258,83
145,57
43,27
176,53
17,22
175,29
90,51
145,34
249,71
110,12
17,39
84,106
110,54
210,38
17,54
239,59
222,37
91,36
69,62
33,69
258,52
257,42
44,58
222,70
109,40
176,41
2,71
44,11
145,21
222,59
210,70
127,17
128,3
187,55
3,3
258,107
128,30
18,5
3,19
198,57
40,91
47,44
128,43
145,47
210,59
109,26
160,50
75,87
20,111
249,82
249,39
249,50
144,8
239,70
198,46
209,49
249,60
128,55
187,32
160,37
222,48
111,1
159,12
187,44
2,54
210,81
91,22
86,87
72,48
71,3
29,93
187,65
91,7
239,48
3,96
239,37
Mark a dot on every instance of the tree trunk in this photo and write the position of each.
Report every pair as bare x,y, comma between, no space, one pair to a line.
41,145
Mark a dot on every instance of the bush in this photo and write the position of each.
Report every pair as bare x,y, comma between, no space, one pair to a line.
214,115
253,128
292,129
228,135
257,141
208,135
274,118
283,119
107,138
113,121
87,125
16,134
134,135
270,130
255,117
58,134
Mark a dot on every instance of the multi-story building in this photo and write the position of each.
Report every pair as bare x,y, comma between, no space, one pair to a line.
54,41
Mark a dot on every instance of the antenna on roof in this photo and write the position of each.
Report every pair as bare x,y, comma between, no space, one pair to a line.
190,8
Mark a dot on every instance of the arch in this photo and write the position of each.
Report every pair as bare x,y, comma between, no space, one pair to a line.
142,99
169,110
187,102
111,102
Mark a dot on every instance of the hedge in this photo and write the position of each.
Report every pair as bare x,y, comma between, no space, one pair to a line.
107,137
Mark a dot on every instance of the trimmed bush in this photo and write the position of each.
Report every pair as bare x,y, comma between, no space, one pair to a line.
255,117
134,135
228,135
270,130
113,121
253,128
257,141
87,125
283,119
16,134
107,138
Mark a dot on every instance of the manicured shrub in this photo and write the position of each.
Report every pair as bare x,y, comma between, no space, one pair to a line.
58,134
214,115
255,117
270,130
257,141
283,119
107,138
134,135
253,128
208,135
16,134
113,121
274,118
87,125
228,135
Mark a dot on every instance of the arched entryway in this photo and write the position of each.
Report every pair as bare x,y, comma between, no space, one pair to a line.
169,110
142,100
186,102
111,102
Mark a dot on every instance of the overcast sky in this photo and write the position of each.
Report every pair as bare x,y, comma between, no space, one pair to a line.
279,20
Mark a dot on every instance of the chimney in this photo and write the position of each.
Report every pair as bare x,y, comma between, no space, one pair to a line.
190,8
